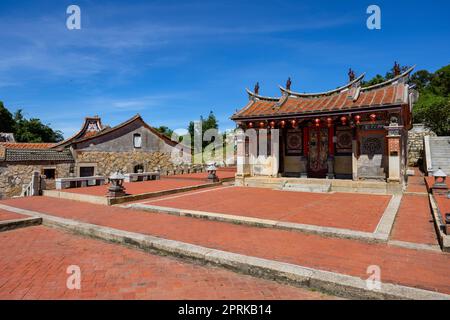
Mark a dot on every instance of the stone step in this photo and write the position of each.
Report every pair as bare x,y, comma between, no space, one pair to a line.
307,187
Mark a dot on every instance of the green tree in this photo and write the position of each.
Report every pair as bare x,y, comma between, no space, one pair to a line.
165,131
375,80
379,78
434,111
421,79
33,130
440,82
209,123
6,120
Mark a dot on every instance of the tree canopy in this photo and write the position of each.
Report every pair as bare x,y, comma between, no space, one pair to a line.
6,120
209,123
433,106
165,131
27,130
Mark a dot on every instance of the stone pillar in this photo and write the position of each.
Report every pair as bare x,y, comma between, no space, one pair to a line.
240,141
394,152
275,150
240,157
354,160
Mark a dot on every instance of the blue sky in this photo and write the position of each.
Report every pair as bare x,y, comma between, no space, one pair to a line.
172,61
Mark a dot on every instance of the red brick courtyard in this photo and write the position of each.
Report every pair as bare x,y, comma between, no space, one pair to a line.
34,262
360,212
423,269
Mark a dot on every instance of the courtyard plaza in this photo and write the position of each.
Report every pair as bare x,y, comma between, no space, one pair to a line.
332,233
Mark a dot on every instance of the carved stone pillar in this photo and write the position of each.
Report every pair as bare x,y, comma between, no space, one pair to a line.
394,152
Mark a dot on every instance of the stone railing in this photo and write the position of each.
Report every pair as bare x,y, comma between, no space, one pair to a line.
141,176
65,183
34,187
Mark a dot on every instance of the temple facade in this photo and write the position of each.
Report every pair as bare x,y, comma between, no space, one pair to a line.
351,132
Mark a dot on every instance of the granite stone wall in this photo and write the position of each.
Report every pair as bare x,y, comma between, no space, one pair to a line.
14,176
110,162
415,143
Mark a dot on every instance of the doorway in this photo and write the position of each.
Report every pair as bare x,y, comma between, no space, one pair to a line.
318,152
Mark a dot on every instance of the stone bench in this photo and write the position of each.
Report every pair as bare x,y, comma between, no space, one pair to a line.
79,182
144,176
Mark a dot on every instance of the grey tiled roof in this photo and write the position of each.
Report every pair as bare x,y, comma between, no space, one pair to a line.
19,155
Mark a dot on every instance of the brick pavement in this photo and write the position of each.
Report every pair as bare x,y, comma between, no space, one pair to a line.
414,221
359,212
6,215
416,184
34,261
139,187
416,268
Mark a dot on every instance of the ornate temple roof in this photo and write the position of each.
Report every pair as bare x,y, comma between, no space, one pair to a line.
349,97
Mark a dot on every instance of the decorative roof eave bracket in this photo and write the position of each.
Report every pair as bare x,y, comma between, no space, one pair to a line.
393,80
325,93
253,96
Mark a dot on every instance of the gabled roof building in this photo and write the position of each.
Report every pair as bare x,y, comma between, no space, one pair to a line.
95,150
352,132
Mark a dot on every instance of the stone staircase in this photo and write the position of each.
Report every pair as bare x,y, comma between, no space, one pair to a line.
437,155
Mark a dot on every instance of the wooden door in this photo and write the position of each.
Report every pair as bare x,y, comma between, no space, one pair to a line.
318,152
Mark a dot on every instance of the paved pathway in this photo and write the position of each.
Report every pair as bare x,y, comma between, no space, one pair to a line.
34,262
416,268
414,222
360,212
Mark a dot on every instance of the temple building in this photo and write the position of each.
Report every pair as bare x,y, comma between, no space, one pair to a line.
95,150
351,132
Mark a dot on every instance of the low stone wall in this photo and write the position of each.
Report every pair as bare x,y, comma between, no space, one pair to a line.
415,143
110,162
14,176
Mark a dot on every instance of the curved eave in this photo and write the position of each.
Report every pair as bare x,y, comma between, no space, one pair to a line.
254,95
385,83
326,93
77,135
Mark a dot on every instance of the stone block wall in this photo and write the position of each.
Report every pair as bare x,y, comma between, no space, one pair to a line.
13,176
415,143
110,162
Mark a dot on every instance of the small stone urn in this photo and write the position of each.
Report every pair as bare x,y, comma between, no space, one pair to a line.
116,189
212,176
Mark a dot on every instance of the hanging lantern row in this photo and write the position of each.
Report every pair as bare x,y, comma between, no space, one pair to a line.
317,122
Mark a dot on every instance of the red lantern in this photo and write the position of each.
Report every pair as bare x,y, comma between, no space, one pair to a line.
358,119
293,123
317,122
282,123
373,117
344,120
250,124
261,124
272,124
329,121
